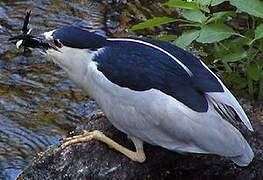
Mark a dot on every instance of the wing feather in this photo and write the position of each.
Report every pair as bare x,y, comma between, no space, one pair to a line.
227,98
140,67
206,81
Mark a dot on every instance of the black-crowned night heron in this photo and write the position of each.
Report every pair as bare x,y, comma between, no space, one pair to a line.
150,90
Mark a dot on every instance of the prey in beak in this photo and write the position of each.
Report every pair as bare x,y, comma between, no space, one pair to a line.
30,41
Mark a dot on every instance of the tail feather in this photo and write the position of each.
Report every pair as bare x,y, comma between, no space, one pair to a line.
228,98
246,157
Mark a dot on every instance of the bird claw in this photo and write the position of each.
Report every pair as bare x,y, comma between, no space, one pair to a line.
84,137
77,136
138,155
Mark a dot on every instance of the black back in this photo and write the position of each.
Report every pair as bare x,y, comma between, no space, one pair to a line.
140,67
75,37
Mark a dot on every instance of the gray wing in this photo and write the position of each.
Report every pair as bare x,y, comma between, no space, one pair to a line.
170,124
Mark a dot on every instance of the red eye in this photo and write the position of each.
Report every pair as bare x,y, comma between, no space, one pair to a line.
58,43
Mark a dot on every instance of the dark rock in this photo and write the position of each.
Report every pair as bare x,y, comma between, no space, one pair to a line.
95,160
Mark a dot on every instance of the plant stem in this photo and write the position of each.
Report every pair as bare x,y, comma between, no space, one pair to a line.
260,91
221,44
253,22
250,87
227,67
189,25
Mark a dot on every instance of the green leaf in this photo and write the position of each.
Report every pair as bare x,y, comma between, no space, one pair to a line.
260,91
232,45
204,2
254,72
251,54
259,63
252,7
186,5
157,21
259,32
204,8
216,2
195,16
214,32
236,79
187,38
261,45
258,35
220,16
168,37
234,57
181,4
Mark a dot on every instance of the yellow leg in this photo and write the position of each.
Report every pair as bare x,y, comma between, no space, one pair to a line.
138,155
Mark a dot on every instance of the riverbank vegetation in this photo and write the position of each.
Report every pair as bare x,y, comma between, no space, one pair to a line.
230,34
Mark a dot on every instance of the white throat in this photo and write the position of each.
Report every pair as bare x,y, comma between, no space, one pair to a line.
74,61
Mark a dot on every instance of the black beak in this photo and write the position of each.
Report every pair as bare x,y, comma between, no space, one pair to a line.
29,41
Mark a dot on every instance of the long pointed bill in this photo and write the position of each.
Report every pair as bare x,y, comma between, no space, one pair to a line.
29,41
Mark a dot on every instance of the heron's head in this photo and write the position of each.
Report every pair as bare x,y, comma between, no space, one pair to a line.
71,46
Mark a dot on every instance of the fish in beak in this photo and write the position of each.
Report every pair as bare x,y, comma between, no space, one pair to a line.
30,41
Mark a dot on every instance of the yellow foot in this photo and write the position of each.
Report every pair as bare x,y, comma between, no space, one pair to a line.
138,155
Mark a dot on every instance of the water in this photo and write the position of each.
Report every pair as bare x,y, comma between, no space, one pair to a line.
38,104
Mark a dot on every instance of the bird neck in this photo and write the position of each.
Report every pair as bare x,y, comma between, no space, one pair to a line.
74,61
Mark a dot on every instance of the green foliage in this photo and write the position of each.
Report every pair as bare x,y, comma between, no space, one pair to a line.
259,32
220,16
182,4
187,5
187,38
234,56
153,22
167,37
194,16
214,32
254,72
216,2
252,7
239,50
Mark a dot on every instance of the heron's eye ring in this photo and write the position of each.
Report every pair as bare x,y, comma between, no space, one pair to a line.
58,43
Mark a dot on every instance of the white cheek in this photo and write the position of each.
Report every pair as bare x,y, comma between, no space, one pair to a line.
48,35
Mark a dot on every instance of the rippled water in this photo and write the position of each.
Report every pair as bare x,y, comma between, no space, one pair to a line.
38,104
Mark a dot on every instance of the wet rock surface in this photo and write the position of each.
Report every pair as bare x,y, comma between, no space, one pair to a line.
95,160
